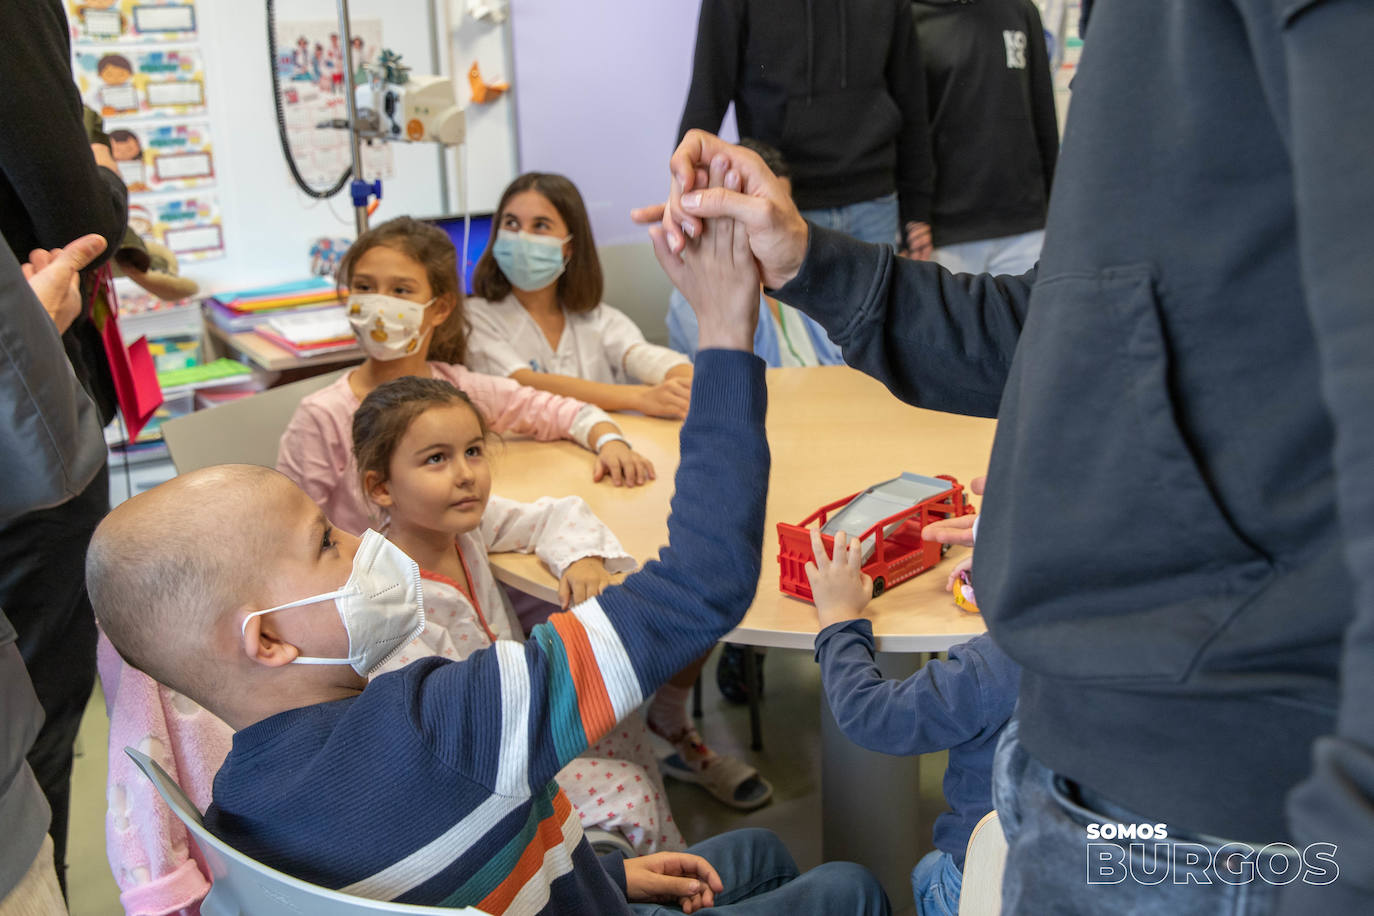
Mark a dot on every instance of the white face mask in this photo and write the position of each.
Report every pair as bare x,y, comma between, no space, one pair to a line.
381,606
388,327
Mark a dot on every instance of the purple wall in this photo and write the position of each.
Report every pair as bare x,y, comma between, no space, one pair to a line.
599,89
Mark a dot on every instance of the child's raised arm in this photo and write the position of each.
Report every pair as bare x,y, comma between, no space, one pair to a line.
513,715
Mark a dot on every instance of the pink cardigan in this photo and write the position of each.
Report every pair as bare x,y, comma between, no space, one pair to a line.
316,450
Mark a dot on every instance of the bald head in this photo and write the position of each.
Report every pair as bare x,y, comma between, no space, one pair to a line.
167,566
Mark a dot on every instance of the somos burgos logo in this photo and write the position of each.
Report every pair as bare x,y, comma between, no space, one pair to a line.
1143,853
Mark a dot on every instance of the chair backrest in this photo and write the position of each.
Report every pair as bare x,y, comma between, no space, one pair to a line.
637,285
246,431
984,863
242,886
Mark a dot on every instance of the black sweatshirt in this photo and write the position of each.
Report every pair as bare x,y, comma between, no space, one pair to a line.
51,190
992,119
835,85
1178,535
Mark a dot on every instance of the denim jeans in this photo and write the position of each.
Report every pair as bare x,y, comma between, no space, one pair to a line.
761,878
1053,867
935,883
874,221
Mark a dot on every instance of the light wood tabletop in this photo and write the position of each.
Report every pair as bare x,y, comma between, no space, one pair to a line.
832,431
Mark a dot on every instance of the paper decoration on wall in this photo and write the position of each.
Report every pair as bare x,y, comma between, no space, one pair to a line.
189,225
310,65
484,93
493,11
161,157
325,255
160,83
132,20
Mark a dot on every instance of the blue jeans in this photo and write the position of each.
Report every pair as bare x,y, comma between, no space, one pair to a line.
936,882
1053,867
761,878
874,221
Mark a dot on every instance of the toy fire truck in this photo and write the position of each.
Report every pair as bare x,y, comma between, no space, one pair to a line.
887,518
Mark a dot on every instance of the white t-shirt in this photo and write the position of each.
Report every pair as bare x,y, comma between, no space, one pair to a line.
600,345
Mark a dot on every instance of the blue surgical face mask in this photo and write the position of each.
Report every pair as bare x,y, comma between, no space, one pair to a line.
529,261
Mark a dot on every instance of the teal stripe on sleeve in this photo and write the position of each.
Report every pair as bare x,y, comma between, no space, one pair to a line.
569,737
489,876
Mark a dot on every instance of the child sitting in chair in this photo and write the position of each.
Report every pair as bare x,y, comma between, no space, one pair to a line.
434,784
960,705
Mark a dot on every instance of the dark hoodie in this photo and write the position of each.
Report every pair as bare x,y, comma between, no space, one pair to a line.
992,121
835,85
1178,539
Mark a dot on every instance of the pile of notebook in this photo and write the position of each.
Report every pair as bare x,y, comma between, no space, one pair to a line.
305,317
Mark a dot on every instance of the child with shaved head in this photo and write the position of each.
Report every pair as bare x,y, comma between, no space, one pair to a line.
434,785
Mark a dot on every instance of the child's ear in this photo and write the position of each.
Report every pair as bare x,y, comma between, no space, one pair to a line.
377,489
263,646
443,307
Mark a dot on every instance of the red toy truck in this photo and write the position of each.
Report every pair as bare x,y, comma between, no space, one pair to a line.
888,518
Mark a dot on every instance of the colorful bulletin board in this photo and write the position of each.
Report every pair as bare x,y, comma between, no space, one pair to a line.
138,63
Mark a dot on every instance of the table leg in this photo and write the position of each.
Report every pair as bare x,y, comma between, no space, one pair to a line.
869,801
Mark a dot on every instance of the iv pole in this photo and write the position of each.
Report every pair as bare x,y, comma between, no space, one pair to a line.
360,189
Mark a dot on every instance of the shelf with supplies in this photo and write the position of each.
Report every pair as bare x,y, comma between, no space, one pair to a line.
287,326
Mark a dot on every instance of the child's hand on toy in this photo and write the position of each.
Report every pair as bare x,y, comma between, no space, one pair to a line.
669,398
717,273
583,579
673,878
839,586
957,530
625,466
964,564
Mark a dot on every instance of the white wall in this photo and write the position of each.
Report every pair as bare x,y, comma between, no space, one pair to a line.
268,223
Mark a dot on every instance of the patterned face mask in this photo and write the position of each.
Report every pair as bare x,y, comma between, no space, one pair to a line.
387,327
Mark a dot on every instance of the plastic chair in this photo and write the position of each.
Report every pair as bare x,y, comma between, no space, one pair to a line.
240,432
984,863
242,886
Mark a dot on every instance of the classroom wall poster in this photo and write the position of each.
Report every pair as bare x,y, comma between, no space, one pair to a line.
137,82
188,224
163,157
310,62
132,20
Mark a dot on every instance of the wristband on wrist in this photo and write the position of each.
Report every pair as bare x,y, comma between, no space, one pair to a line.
611,437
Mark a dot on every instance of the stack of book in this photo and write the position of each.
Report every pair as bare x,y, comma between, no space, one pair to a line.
310,333
246,310
305,318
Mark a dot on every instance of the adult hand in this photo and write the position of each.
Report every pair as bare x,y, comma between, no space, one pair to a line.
918,241
623,465
840,588
672,877
717,275
751,194
583,579
53,277
104,158
957,530
669,398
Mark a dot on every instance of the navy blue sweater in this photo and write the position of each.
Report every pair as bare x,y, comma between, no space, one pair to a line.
435,784
1179,546
960,705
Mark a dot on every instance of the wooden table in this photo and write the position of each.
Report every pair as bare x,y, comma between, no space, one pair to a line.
832,431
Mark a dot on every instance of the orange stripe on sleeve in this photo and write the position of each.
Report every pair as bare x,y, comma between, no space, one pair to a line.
593,702
547,835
